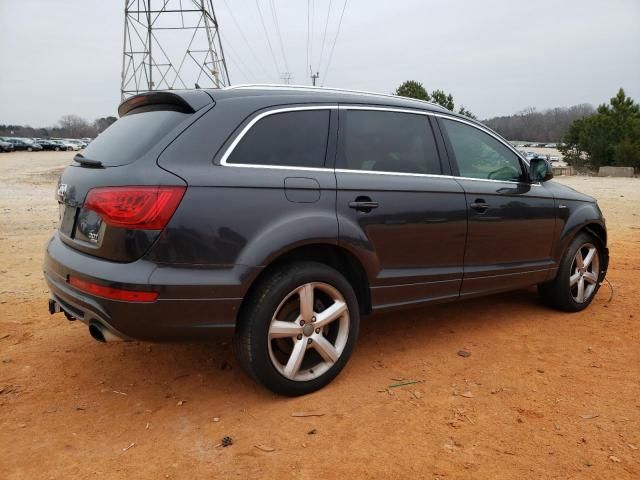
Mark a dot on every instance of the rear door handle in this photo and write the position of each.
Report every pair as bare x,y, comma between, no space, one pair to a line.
480,205
363,204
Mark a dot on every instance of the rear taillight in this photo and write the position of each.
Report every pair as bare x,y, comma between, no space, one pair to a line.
136,208
112,293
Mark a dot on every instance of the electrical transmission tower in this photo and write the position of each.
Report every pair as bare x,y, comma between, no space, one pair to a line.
171,45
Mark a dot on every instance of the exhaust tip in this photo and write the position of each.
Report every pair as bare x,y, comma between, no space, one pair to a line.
96,332
103,334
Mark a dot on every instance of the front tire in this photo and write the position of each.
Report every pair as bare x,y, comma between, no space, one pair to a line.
578,278
297,329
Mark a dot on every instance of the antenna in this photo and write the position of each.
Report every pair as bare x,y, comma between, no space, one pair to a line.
168,47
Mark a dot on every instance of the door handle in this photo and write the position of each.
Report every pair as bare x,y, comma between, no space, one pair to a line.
480,205
363,204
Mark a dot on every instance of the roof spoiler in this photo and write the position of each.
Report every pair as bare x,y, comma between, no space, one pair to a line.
189,101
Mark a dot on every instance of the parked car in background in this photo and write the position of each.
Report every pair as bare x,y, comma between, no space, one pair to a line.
66,144
53,145
24,144
63,145
247,211
6,146
75,144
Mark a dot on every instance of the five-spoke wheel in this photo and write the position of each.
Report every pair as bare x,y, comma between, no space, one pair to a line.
298,328
579,275
585,269
308,331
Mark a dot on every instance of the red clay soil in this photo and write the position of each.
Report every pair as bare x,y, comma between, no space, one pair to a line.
543,394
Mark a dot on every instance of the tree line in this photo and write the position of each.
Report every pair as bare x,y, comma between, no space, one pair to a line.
547,126
589,138
69,126
415,89
611,136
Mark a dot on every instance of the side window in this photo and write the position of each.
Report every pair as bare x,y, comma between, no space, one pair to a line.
479,155
297,139
387,142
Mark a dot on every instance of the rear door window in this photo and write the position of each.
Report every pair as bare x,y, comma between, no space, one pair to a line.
479,155
295,139
131,136
382,141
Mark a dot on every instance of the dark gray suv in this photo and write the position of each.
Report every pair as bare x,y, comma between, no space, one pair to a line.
282,215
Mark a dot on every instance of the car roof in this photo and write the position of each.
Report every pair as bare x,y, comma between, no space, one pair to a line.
278,94
252,97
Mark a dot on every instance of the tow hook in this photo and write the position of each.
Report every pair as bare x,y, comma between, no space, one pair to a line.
55,308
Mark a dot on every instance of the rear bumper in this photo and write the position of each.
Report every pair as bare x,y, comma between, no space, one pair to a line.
192,303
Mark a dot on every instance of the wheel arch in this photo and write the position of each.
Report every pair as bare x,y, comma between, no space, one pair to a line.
328,254
595,228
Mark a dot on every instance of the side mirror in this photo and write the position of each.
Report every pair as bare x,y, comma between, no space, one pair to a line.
540,170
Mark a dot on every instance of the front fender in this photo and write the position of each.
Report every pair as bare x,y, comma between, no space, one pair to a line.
576,217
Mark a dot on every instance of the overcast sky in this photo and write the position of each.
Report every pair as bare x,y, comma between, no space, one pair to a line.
496,56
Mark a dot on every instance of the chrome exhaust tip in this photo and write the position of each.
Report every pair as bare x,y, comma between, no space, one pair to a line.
103,334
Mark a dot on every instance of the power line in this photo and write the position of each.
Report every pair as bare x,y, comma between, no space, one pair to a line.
326,71
324,35
233,17
237,60
308,12
275,21
313,10
266,34
286,77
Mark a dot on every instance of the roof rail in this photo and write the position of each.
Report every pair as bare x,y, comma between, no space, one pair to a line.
280,86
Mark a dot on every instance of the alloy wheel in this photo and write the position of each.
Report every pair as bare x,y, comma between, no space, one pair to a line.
585,270
308,331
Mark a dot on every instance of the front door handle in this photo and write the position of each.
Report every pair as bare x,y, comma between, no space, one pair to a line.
480,205
363,204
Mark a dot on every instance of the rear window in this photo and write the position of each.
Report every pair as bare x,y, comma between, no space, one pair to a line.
297,139
132,136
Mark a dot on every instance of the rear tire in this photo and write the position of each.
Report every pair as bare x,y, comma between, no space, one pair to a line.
297,329
578,278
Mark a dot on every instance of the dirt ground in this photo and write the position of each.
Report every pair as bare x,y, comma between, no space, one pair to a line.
543,394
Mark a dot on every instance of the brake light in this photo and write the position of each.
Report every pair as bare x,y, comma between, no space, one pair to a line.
112,293
136,208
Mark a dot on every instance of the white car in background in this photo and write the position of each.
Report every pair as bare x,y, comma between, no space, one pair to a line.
67,145
75,144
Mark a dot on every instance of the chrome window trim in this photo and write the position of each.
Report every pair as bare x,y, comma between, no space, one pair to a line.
485,130
396,174
435,114
441,115
431,175
256,119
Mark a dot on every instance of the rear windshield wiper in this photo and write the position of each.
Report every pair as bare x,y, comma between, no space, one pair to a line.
87,161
